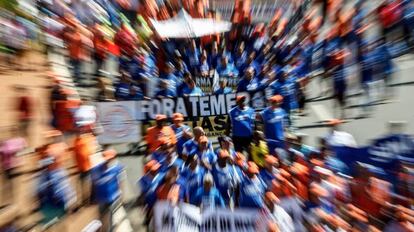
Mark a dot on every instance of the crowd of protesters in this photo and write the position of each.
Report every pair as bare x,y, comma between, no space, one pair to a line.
259,164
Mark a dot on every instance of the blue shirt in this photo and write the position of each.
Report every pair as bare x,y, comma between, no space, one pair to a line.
179,135
177,162
193,58
193,179
267,177
171,79
226,90
204,67
122,91
240,61
227,71
251,192
196,91
245,85
191,146
274,123
224,180
287,89
165,93
207,199
242,121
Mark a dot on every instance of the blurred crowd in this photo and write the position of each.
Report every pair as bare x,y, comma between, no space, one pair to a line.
260,164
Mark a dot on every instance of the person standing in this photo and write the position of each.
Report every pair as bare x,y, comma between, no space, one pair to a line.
274,119
241,122
24,109
75,47
156,133
182,132
252,188
224,177
100,45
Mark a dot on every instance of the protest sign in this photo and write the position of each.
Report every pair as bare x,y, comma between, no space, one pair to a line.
185,217
208,84
120,119
117,121
384,155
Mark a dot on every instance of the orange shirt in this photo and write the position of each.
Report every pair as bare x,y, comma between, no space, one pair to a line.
85,146
171,193
154,134
75,46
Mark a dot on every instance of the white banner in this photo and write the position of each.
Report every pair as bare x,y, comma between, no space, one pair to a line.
118,122
185,217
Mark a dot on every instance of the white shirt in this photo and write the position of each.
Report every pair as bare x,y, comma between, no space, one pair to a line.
341,138
282,219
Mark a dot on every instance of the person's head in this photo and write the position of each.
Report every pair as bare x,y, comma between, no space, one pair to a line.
276,101
191,83
249,74
271,162
160,120
223,158
187,77
203,143
198,132
252,169
334,124
258,136
208,182
178,119
169,67
224,142
223,83
270,200
241,101
204,56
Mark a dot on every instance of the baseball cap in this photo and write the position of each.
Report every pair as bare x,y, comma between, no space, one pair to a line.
252,168
160,117
276,98
240,98
178,117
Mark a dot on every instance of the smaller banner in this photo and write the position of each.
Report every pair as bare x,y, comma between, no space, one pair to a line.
118,123
185,217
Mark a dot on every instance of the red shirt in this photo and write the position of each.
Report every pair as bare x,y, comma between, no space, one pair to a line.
25,108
